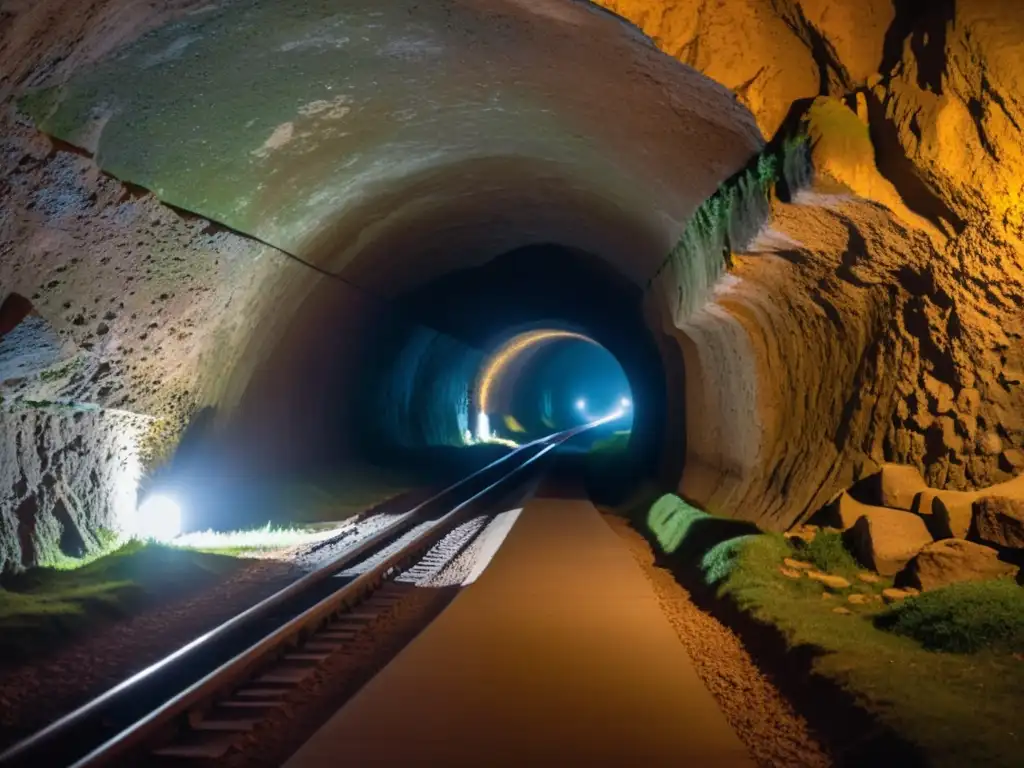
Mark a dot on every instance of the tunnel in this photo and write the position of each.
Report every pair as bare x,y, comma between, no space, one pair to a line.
430,190
262,241
656,365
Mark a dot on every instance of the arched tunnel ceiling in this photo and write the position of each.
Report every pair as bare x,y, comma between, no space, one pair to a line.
297,122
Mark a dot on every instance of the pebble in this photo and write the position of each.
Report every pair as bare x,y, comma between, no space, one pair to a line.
797,565
830,581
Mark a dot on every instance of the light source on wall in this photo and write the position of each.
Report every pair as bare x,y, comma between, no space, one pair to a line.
625,402
158,518
581,405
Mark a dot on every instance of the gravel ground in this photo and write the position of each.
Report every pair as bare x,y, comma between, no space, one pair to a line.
766,723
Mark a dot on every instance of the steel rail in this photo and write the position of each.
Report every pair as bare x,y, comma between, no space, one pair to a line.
238,669
24,752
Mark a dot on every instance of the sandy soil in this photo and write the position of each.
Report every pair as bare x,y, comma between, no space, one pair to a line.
769,727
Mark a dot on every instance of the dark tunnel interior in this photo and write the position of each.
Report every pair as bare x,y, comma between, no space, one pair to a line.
396,384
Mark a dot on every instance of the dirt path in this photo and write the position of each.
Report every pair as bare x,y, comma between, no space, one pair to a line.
557,655
772,731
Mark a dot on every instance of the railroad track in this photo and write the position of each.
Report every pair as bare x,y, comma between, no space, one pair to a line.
201,702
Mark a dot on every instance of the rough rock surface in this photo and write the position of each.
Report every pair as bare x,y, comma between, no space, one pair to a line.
887,539
951,561
952,512
999,521
126,303
899,486
879,318
891,295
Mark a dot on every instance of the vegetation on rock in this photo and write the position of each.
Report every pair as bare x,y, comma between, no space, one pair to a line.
957,709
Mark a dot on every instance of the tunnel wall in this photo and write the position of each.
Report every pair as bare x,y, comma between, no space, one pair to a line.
905,267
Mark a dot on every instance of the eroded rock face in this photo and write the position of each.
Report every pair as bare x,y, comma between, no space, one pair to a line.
879,318
67,475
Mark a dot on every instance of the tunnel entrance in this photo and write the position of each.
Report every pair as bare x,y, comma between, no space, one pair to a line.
539,339
547,380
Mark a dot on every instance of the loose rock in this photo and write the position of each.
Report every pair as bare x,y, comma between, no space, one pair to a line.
1000,521
830,581
951,561
886,539
893,595
797,565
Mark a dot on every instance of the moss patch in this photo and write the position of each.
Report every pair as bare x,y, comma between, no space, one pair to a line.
43,608
959,709
828,553
963,618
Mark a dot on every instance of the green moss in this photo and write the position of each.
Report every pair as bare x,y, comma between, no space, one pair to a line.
61,373
47,607
729,221
962,618
960,710
828,553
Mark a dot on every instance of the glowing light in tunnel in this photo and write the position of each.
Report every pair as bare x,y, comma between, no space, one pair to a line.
158,518
581,405
506,353
483,426
625,402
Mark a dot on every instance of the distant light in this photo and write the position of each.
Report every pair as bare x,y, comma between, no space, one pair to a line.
581,404
158,518
483,427
625,402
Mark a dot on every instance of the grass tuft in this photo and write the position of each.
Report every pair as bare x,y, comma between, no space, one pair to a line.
828,553
962,618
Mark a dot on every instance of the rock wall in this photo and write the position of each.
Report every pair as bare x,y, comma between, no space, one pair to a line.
878,318
881,315
129,303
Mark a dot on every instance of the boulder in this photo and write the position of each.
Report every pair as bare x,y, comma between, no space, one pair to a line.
887,539
999,520
951,561
900,485
846,511
951,513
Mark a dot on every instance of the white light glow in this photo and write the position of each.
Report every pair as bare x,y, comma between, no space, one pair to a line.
158,518
581,404
625,402
483,427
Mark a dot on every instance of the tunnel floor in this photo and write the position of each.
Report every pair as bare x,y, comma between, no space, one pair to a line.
559,654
